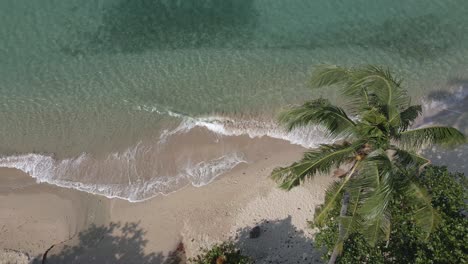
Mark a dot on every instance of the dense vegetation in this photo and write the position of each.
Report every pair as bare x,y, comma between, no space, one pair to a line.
447,244
225,253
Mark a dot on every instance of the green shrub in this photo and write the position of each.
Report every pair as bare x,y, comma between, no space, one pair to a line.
225,253
448,244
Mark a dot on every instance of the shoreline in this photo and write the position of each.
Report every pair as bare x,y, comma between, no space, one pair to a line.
195,154
193,216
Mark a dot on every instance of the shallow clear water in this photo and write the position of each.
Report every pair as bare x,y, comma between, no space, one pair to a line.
94,87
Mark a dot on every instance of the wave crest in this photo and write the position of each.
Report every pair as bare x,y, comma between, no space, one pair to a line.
46,169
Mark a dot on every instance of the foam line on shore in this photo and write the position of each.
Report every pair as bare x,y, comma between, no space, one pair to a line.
46,169
308,137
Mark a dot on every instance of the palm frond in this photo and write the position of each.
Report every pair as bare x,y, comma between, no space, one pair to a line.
327,75
425,216
381,159
409,159
375,211
393,116
372,125
332,194
375,186
378,228
379,83
409,115
445,136
320,160
367,178
318,112
352,222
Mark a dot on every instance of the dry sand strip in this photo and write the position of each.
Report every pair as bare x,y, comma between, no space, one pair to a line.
37,216
33,217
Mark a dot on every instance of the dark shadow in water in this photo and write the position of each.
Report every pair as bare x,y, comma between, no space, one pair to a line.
421,37
136,26
278,242
418,37
114,243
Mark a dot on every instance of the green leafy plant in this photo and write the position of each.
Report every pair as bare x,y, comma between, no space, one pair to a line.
225,253
378,148
447,244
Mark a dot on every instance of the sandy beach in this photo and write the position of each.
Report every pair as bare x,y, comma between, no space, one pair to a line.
76,227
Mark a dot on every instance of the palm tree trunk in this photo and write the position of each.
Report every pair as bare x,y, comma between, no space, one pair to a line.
343,211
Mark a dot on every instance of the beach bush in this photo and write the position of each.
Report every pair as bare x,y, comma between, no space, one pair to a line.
225,253
448,244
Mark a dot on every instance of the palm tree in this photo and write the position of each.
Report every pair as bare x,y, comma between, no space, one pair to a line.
375,145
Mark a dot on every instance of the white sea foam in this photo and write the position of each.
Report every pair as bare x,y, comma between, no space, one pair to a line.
227,126
125,167
309,137
49,170
205,172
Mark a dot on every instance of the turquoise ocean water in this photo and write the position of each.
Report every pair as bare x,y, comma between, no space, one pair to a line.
133,98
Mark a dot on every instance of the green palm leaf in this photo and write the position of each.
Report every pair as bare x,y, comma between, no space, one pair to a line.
376,82
425,216
376,190
392,114
409,115
318,112
327,75
316,161
332,194
446,136
409,159
353,221
375,211
378,228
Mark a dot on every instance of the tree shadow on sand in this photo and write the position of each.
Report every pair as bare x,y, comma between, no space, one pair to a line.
278,241
114,243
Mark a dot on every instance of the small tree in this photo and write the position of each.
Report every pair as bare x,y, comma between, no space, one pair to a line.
379,149
225,253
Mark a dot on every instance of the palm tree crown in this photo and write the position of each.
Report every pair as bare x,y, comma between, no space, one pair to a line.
379,149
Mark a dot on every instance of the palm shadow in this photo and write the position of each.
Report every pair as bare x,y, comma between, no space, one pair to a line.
453,107
113,243
278,241
420,37
449,109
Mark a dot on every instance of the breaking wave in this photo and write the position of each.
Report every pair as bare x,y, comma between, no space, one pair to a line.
60,172
140,172
309,137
